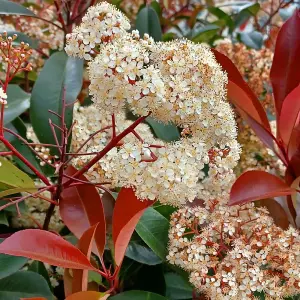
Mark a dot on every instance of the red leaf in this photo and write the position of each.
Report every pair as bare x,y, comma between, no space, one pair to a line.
67,280
247,104
240,93
276,212
46,247
81,207
80,277
289,115
285,75
256,185
88,296
127,212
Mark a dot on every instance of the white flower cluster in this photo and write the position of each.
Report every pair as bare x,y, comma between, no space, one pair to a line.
168,172
233,252
179,82
101,25
3,97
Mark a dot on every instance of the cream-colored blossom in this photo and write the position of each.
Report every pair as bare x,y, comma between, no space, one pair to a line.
232,252
179,82
102,24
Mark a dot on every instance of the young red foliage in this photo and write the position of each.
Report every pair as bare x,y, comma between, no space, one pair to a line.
81,207
247,104
127,212
240,93
46,247
289,116
277,212
80,277
256,185
285,75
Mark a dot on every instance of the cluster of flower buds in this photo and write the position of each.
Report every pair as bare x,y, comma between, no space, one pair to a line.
14,57
43,154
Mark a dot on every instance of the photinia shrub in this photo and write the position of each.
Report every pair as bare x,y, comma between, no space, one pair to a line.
150,152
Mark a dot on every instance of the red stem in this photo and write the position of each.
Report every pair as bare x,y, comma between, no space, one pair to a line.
24,160
75,9
6,153
109,146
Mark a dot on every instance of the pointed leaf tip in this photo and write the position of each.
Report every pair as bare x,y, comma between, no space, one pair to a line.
46,247
256,185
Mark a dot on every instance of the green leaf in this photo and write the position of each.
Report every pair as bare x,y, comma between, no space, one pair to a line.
17,103
222,16
24,284
153,229
169,36
10,264
19,127
252,39
95,277
39,267
246,12
164,132
156,6
15,191
12,8
147,21
11,177
163,209
60,72
142,254
137,295
177,287
205,33
3,218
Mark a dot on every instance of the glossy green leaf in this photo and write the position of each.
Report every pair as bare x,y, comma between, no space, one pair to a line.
19,127
24,284
156,6
247,11
163,209
153,229
138,295
39,267
3,218
142,254
13,8
205,33
177,287
94,277
10,264
164,132
18,101
58,74
252,39
11,177
147,21
221,15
